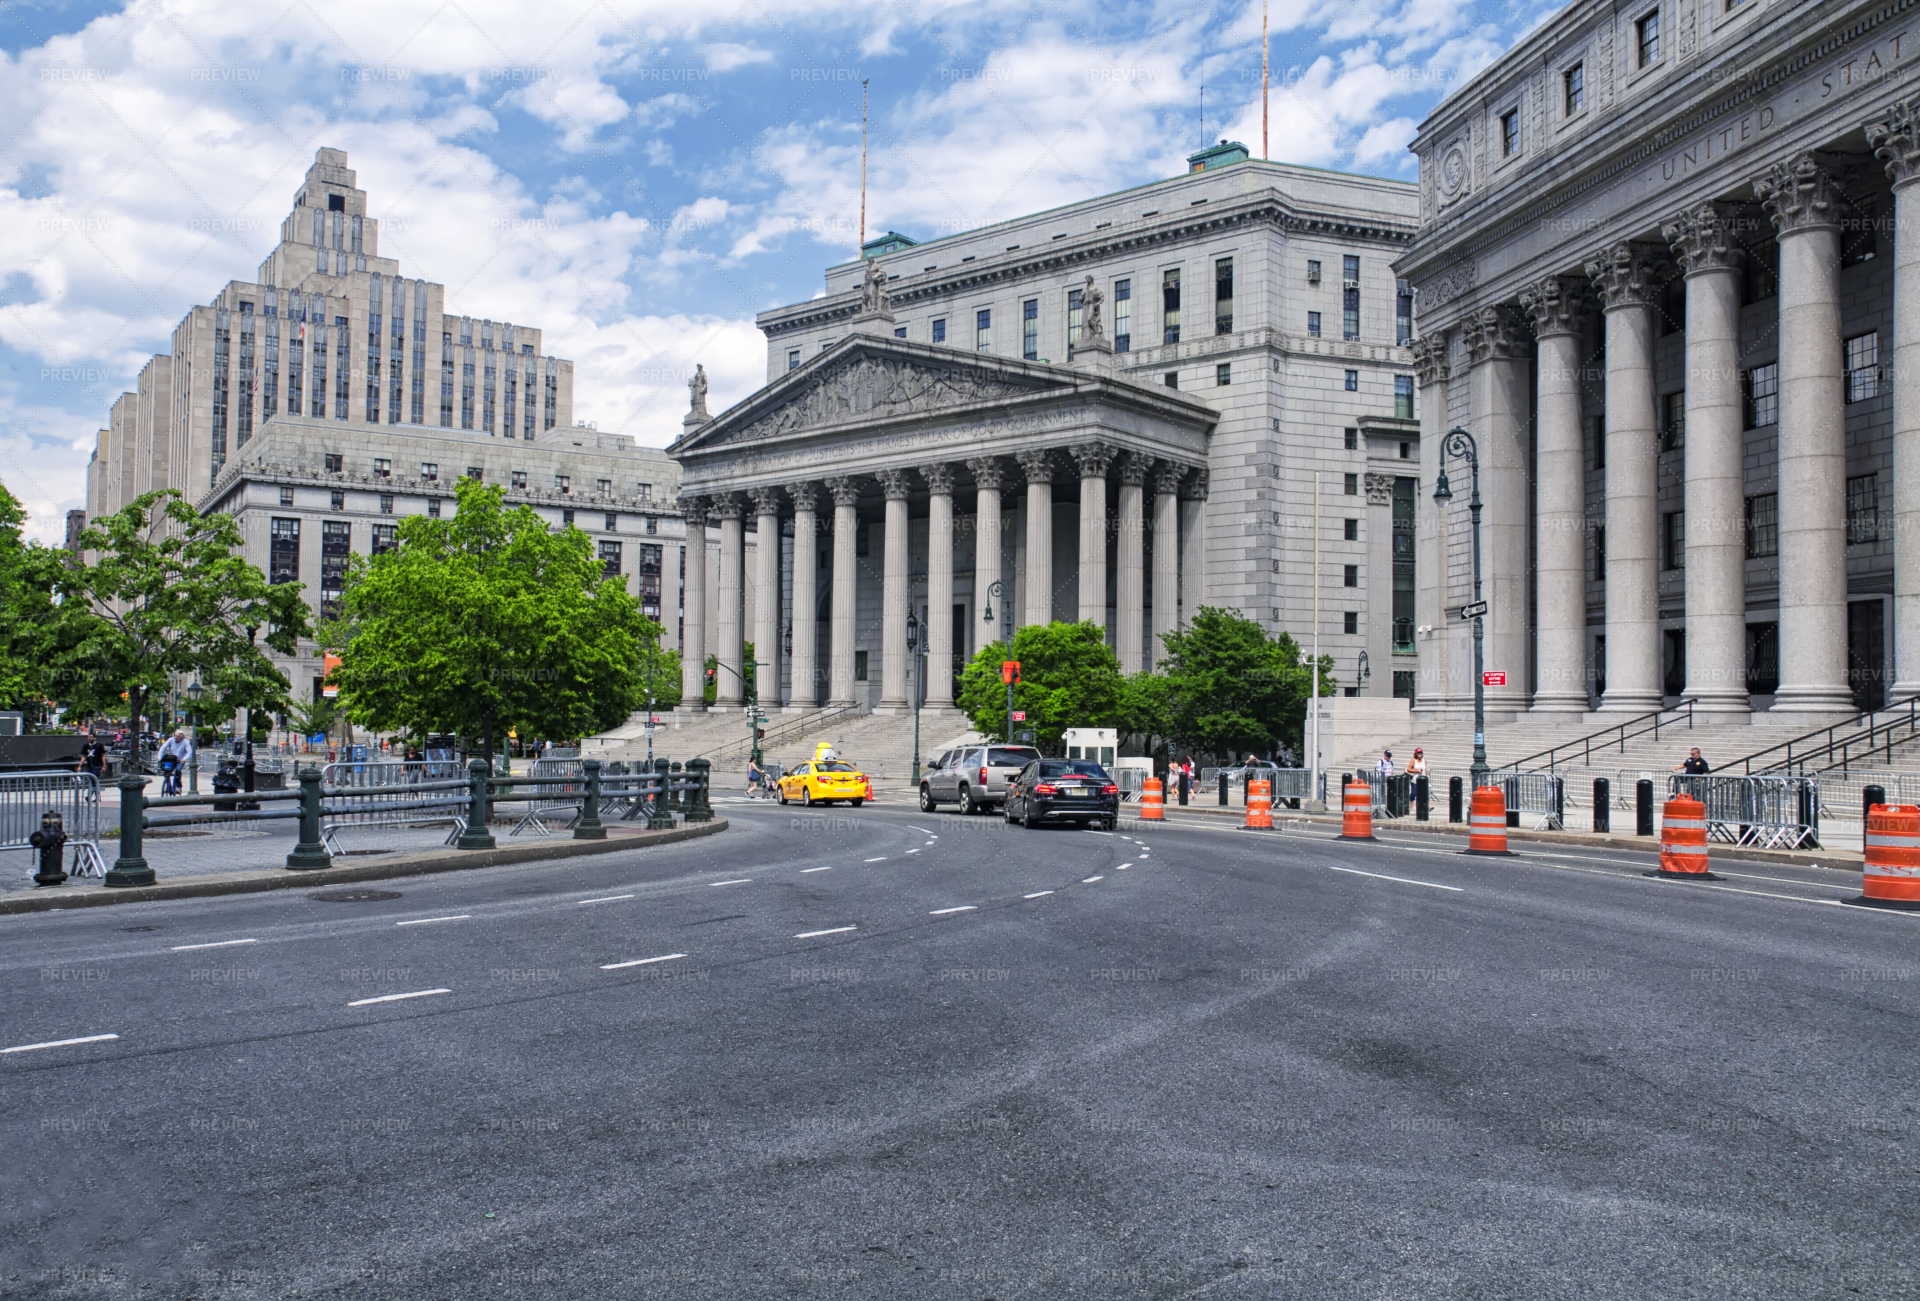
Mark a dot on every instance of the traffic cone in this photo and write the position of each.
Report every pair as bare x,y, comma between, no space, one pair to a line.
870,798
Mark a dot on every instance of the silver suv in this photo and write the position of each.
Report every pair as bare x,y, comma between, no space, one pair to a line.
973,776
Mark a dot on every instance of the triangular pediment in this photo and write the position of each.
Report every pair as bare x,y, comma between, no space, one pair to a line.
866,380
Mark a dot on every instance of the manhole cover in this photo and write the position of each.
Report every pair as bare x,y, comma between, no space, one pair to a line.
360,853
130,929
353,896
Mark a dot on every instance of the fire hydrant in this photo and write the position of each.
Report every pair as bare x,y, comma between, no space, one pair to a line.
50,840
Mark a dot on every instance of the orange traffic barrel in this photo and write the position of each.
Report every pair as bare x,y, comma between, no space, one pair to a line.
1259,806
1892,874
1153,804
1683,840
1356,811
1487,822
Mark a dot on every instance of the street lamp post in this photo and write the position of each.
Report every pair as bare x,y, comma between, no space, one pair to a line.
999,589
194,692
1459,443
913,653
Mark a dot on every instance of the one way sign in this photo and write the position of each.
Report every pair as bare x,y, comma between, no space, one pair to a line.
1475,610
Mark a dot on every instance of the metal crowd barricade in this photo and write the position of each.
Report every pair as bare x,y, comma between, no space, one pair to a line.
365,795
1842,795
1540,796
562,788
1771,812
27,796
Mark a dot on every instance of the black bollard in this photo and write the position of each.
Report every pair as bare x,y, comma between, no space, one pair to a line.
1185,782
1643,807
1454,811
1223,790
1602,805
1869,797
1421,797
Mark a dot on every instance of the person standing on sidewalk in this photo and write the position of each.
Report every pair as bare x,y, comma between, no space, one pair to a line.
1417,766
1385,766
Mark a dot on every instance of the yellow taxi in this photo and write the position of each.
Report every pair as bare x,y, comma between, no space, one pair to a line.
822,781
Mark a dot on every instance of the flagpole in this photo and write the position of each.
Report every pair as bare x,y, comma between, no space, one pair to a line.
1314,763
862,250
1263,78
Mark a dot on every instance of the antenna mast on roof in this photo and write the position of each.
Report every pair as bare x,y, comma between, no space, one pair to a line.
1263,78
862,250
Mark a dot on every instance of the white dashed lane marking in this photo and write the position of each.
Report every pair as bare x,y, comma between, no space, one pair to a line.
640,962
612,898
963,908
1037,894
745,880
60,1043
805,870
1431,885
395,998
881,859
217,944
837,930
1089,880
427,921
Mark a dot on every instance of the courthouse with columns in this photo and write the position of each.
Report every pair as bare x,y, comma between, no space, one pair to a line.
1668,276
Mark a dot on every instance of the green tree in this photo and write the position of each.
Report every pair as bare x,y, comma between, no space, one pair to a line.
169,593
315,717
489,621
32,626
1068,678
1234,689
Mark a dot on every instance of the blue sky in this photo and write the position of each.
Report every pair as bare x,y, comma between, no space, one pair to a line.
637,179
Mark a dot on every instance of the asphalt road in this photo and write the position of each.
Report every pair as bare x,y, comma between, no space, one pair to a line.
879,1054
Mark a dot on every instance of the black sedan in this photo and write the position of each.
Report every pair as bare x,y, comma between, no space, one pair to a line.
1063,790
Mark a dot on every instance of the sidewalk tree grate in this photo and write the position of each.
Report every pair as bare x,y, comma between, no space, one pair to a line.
353,896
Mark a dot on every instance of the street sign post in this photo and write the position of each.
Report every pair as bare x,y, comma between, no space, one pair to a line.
1476,610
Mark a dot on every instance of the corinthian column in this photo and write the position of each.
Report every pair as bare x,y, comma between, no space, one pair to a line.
987,478
1560,312
939,479
846,495
693,606
1801,198
1442,667
1500,346
1193,545
729,690
1896,141
1715,462
1093,459
1129,588
1166,556
1626,277
805,615
1038,465
766,595
895,598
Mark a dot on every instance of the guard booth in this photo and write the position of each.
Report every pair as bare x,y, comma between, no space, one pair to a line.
1095,743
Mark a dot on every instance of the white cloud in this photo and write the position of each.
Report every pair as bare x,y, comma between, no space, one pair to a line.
724,56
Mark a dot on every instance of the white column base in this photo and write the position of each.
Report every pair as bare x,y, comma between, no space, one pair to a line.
1812,700
1559,705
1723,706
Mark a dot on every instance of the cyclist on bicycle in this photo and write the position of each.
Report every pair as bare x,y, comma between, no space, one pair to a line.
174,758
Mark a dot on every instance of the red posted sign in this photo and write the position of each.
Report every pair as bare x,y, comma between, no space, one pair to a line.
1493,678
1009,670
1019,715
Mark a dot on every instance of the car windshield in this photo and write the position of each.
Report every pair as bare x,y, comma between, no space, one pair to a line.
1011,757
1071,768
833,767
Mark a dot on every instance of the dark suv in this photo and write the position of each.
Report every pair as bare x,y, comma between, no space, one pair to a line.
1063,790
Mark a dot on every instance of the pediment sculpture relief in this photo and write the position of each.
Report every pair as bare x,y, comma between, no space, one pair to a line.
864,387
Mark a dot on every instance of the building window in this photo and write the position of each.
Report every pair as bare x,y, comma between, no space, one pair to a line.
430,471
1648,31
1406,451
382,468
1763,525
1313,325
1350,486
1353,381
1122,315
1350,529
1673,421
519,480
1403,397
1405,681
643,491
1075,318
563,484
1510,133
1171,379
433,508
1763,395
566,519
1223,374
1573,86
940,330
1863,367
1030,329
339,501
334,463
386,503
283,550
653,525
983,330
859,666
604,487
613,523
286,496
1402,313
1350,438
610,560
1673,539
1170,305
793,359
336,547
1600,555
1313,271
1350,297
1351,578
1350,619
1763,641
1404,571
1223,295
650,580
473,473
899,331
386,537
1863,509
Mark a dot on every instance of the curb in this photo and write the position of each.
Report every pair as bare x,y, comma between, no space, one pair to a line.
1842,861
434,861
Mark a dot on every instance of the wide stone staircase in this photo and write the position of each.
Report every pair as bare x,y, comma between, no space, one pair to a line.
881,745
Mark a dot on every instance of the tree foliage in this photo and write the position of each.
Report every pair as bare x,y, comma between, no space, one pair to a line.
170,592
1069,677
487,621
31,623
1233,689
